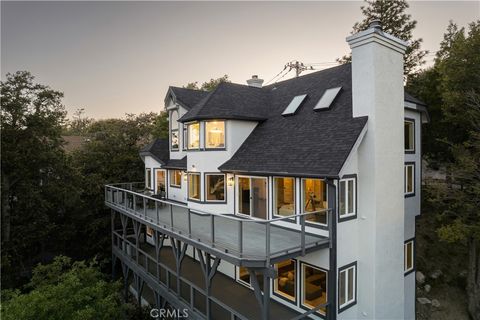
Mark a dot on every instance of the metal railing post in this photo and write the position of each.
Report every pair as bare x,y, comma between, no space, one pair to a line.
302,222
240,238
267,245
156,212
135,204
144,207
330,225
189,216
212,227
171,217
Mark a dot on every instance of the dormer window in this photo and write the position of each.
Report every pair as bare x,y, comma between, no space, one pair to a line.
174,140
214,134
193,135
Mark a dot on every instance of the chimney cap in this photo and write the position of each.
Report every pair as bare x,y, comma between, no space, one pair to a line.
375,24
255,76
255,81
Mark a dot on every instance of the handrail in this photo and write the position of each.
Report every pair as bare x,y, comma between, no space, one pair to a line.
265,251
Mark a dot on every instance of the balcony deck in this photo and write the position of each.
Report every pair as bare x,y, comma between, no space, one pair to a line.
241,241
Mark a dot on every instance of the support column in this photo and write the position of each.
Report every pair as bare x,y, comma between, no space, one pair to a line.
263,298
136,229
332,274
159,239
126,272
209,271
139,283
179,250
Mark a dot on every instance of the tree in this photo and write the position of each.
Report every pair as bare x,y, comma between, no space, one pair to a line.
452,89
79,124
208,85
65,290
395,21
36,180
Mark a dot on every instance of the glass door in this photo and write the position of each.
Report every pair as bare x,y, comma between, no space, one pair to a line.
160,182
244,195
252,197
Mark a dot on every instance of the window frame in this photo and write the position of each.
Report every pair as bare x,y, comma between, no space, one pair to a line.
319,312
348,303
170,180
274,198
237,197
206,189
350,215
411,121
172,130
407,271
199,135
302,208
184,137
224,135
411,193
190,173
148,178
281,295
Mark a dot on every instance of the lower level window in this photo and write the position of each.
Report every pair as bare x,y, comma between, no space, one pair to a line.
314,287
285,284
347,285
149,232
194,186
408,256
243,276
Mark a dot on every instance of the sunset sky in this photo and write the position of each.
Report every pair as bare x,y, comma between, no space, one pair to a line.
113,58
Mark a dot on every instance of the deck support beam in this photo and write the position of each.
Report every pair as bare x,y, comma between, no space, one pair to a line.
262,296
126,272
179,250
208,269
159,239
138,283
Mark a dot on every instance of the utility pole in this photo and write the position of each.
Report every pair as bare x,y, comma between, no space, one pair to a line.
298,66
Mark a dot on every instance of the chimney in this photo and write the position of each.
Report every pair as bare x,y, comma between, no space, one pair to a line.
377,91
255,82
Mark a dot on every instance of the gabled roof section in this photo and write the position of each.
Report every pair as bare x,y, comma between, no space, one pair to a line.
187,98
308,143
180,164
158,149
231,101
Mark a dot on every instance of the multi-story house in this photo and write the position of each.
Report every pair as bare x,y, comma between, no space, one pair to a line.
287,201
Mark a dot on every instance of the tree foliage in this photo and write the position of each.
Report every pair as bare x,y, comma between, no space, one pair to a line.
207,85
397,22
65,290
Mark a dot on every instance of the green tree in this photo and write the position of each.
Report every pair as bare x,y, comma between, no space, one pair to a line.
394,21
36,180
451,88
79,124
65,290
207,85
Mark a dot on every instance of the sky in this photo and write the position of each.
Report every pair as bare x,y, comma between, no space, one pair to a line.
112,58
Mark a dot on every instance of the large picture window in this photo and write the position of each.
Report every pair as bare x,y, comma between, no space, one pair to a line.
285,284
214,134
347,285
215,187
409,256
193,135
409,131
176,178
347,197
314,196
409,179
284,196
148,178
314,287
194,186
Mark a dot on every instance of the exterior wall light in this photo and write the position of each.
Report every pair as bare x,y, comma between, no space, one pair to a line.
231,181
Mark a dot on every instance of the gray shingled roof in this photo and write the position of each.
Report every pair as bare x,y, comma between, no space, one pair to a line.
159,149
177,164
187,97
408,97
309,142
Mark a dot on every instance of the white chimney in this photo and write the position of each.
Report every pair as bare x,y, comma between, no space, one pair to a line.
377,90
255,82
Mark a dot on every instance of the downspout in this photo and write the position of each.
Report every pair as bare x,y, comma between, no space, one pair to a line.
332,274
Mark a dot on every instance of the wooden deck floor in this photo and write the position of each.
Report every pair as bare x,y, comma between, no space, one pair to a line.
224,288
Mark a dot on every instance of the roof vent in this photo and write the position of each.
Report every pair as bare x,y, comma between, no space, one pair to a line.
375,24
293,105
327,98
255,82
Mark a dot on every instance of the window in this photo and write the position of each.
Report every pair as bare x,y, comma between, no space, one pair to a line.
327,98
409,132
160,182
293,105
148,178
410,179
243,276
347,284
347,197
174,130
408,248
149,231
194,186
314,200
285,284
193,135
176,178
314,287
184,137
215,134
215,187
284,196
252,197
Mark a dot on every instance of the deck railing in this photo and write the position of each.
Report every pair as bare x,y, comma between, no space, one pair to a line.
224,232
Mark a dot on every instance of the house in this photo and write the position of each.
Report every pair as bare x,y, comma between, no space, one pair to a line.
287,201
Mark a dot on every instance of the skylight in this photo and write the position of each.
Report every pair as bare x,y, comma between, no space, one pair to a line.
326,100
294,104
